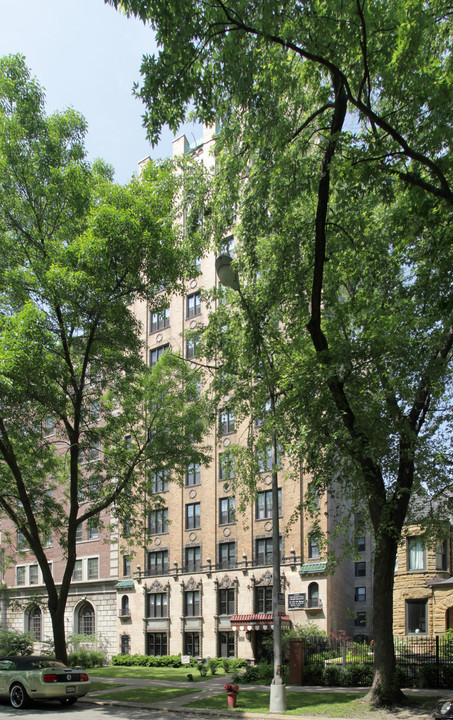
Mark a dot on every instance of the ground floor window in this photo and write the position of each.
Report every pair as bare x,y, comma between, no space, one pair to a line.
192,644
416,617
226,644
125,644
156,644
35,623
86,619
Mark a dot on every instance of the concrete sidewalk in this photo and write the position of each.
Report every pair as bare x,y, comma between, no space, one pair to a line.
215,685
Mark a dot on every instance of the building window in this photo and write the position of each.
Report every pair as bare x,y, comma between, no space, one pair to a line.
156,644
35,623
416,554
79,533
193,516
33,574
156,353
159,320
264,550
20,575
93,568
159,481
226,467
264,459
263,504
227,555
93,529
313,547
360,569
263,599
360,594
77,573
48,426
267,409
313,595
191,347
441,555
86,620
227,508
416,617
192,558
125,609
226,645
158,562
193,305
360,619
192,644
193,474
21,542
156,605
226,421
125,644
158,521
126,565
361,544
192,603
94,411
226,601
90,454
227,246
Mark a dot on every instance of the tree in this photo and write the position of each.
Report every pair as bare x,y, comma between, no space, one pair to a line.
335,152
83,419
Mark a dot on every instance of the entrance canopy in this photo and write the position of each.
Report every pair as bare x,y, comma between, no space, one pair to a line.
258,621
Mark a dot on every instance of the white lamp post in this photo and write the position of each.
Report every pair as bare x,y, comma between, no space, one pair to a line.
277,703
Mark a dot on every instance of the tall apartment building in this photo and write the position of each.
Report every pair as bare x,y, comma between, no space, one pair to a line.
202,584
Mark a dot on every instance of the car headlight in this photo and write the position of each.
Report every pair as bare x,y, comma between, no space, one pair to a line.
445,707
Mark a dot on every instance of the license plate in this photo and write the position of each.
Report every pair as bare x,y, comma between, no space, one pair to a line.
70,688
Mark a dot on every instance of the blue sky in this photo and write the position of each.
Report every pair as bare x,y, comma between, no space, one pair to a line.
87,56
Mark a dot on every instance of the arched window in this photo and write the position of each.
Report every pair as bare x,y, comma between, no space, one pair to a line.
125,606
35,623
313,595
86,619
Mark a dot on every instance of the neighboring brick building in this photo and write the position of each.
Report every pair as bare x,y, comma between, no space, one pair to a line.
423,592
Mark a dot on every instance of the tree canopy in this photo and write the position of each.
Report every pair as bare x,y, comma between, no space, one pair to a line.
83,419
334,153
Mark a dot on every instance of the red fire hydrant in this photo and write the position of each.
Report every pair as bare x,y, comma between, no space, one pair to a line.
232,691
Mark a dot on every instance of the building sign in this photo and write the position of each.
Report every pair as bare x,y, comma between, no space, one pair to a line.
296,601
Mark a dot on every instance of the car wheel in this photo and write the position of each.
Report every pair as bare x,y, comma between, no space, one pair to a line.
68,701
18,696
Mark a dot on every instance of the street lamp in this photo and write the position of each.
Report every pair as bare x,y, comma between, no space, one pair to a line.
277,703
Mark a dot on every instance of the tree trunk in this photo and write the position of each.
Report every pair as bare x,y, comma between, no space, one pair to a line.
57,612
385,688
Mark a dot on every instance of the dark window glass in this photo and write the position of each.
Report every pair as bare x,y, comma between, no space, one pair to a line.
156,353
227,555
360,569
226,601
159,320
192,603
193,559
158,562
157,644
192,516
227,507
156,605
193,474
263,599
193,305
263,504
158,521
226,421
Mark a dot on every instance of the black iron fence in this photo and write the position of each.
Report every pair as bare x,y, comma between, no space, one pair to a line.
421,661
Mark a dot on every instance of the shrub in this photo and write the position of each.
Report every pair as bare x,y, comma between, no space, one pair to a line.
213,664
333,676
314,672
260,674
202,669
86,658
358,675
15,643
225,662
147,660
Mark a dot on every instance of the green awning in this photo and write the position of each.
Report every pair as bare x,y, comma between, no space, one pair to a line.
313,568
125,585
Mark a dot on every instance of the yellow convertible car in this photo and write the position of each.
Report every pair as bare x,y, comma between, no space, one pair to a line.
31,677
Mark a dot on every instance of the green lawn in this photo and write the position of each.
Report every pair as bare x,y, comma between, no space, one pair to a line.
322,704
95,686
146,695
151,673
